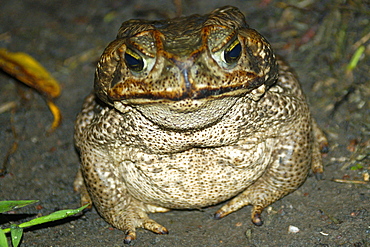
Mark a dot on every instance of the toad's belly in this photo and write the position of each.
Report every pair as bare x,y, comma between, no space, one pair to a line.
195,178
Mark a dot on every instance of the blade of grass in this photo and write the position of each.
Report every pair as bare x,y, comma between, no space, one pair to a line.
355,58
10,205
51,217
16,233
3,240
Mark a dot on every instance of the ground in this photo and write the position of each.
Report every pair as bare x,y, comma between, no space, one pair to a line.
318,38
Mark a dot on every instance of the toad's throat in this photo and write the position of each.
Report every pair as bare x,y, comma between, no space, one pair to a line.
187,114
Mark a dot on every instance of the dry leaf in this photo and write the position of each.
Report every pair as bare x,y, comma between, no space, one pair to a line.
27,70
57,115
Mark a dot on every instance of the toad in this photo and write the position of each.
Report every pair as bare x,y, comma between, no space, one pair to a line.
190,112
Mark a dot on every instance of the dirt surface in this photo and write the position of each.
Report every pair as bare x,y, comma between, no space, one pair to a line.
318,38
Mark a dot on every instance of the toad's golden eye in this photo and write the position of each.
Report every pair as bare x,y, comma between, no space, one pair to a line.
232,53
134,61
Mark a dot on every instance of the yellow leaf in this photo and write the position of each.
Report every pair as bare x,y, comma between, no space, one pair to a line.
57,116
26,69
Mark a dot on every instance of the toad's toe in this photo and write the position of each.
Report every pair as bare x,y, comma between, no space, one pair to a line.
130,236
153,226
256,216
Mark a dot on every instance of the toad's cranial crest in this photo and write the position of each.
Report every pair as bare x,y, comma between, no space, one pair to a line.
187,113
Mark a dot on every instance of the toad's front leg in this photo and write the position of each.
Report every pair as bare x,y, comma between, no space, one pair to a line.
111,198
290,163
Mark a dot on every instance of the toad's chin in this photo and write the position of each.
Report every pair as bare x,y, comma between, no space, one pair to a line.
187,114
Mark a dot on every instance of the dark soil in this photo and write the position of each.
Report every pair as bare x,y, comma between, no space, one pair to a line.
318,38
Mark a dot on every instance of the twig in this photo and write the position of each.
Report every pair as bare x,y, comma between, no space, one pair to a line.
349,181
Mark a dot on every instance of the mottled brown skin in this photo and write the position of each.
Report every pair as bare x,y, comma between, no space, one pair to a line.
207,113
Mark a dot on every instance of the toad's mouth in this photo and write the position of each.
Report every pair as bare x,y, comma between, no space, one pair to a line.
185,87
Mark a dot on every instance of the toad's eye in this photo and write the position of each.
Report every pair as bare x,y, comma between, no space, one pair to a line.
232,53
134,61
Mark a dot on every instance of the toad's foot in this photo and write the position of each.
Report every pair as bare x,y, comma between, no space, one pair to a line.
145,223
268,189
135,216
125,217
240,201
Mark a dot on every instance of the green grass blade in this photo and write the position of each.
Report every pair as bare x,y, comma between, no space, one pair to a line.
16,234
355,58
52,217
3,240
10,205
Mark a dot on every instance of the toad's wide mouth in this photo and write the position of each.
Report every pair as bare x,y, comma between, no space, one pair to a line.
186,114
181,93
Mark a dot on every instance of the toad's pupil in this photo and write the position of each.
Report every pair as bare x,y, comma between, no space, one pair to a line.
232,54
134,61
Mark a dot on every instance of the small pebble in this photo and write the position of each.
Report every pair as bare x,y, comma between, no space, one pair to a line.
293,229
366,176
248,233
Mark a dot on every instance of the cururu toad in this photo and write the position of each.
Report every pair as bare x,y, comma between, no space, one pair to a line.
187,113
